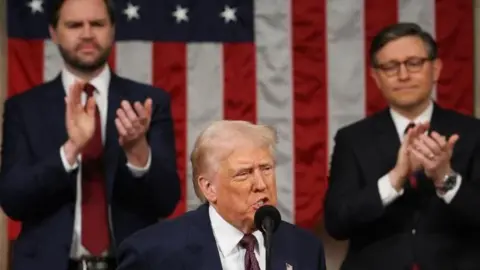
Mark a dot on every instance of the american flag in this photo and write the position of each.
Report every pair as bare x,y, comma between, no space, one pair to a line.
299,65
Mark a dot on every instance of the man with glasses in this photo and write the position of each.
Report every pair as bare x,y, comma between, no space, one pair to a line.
405,182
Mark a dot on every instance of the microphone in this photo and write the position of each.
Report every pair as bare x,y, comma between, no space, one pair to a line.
267,218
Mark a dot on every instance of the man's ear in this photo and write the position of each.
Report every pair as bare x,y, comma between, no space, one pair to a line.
437,69
207,188
374,75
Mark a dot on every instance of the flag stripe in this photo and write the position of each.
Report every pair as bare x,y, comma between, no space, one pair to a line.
112,58
346,65
455,43
274,90
420,12
134,60
25,64
170,73
239,81
204,96
310,108
53,61
378,14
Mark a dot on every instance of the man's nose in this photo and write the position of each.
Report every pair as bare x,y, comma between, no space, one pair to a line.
403,73
87,31
259,180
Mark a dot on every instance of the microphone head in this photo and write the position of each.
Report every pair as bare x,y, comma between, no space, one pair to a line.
267,212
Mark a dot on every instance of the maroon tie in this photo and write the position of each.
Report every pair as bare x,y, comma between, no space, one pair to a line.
413,181
95,235
248,242
412,177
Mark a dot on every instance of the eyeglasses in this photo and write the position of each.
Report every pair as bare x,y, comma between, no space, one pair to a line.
413,65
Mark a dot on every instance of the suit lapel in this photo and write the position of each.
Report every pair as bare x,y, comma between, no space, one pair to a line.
54,110
281,250
440,122
202,248
388,141
112,148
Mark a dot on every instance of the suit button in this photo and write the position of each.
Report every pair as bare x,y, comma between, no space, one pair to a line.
414,231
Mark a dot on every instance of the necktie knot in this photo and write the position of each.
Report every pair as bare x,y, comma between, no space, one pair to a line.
89,89
409,126
248,242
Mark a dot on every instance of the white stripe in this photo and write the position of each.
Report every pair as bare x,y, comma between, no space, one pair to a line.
274,91
52,61
346,64
134,60
420,12
204,97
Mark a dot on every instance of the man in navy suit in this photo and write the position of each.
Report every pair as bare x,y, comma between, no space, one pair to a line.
233,175
88,158
404,182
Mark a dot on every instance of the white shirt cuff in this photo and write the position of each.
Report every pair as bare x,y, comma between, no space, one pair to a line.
387,192
66,165
449,195
139,171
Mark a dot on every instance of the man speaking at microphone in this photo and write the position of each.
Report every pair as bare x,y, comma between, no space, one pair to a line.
233,175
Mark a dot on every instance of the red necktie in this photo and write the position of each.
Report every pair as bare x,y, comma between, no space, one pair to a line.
248,242
413,182
412,177
95,234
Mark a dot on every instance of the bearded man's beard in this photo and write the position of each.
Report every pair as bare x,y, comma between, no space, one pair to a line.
85,67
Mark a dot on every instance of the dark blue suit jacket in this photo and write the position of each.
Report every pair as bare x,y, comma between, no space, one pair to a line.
188,243
36,190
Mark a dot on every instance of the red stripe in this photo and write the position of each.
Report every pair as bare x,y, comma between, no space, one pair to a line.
112,58
310,109
378,14
239,81
454,33
170,74
25,70
25,64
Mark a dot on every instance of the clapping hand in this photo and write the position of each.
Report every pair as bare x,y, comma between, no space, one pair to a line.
132,123
79,119
406,164
434,152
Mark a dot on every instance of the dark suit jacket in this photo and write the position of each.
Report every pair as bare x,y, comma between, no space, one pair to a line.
417,227
36,190
188,243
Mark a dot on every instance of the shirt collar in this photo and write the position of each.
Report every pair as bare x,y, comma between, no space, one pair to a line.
401,122
100,82
226,235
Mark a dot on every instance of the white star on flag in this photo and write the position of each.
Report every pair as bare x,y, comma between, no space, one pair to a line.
229,14
180,14
36,6
132,11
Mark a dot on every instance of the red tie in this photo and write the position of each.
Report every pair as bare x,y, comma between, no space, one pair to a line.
412,178
248,242
95,234
413,182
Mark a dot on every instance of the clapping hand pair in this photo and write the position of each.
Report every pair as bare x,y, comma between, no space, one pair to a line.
132,122
421,151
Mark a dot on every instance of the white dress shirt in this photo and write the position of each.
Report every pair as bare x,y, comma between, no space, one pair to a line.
227,237
388,194
101,84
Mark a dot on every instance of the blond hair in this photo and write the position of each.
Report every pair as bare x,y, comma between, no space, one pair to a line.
219,139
